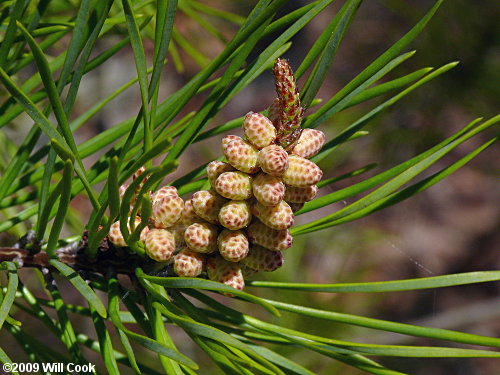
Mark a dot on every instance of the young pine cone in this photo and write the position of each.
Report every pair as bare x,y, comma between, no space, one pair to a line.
301,172
136,175
233,245
235,215
272,239
234,185
268,190
228,139
262,259
242,155
201,237
207,204
300,195
290,114
164,192
273,160
160,244
259,130
189,263
277,217
115,235
309,144
189,215
222,271
167,211
215,169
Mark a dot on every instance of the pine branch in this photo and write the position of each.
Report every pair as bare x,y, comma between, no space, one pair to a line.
108,256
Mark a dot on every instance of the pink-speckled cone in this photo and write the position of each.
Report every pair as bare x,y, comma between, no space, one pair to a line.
309,144
300,195
272,239
262,259
301,172
189,215
144,179
235,215
268,190
201,237
115,235
215,169
277,217
259,130
242,156
189,263
167,211
234,185
207,204
228,139
233,245
228,273
273,160
160,244
163,192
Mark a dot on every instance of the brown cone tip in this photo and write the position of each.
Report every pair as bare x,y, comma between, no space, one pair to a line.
288,126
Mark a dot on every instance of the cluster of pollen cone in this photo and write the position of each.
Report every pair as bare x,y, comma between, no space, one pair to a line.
241,225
